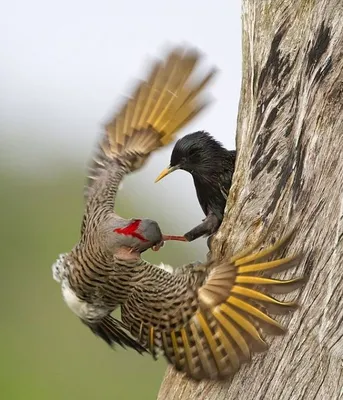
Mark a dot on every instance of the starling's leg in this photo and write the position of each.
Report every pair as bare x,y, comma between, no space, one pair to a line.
209,225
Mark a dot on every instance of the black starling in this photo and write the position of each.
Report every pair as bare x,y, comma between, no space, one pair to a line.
212,167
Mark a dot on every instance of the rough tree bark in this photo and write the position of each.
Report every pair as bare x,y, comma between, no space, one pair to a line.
289,172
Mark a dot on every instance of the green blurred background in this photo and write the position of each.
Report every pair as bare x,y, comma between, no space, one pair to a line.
46,352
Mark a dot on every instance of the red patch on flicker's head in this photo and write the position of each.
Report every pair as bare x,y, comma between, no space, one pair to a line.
131,230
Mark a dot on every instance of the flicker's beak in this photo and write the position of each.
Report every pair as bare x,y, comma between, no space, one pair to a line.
166,172
173,237
166,238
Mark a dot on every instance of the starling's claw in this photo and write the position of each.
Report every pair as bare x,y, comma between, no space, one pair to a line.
173,237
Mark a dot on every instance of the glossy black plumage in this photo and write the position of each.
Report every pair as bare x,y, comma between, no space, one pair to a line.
212,167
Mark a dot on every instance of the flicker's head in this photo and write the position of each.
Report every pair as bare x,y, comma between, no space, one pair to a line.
198,153
138,235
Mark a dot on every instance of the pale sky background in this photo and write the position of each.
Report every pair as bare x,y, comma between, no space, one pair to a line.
64,65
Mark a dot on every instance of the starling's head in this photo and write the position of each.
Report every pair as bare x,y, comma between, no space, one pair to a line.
198,153
138,235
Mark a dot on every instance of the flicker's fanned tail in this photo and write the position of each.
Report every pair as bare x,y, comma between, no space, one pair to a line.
227,326
160,106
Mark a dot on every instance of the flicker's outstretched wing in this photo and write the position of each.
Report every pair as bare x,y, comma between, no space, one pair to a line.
209,331
159,107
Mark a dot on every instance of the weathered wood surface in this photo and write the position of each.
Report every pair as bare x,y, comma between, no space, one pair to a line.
289,172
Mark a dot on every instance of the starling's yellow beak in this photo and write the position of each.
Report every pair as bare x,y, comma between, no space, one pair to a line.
166,172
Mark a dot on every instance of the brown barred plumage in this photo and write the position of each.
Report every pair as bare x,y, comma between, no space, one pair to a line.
207,319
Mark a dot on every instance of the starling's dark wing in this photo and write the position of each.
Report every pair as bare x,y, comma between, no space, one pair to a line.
209,331
213,199
113,332
159,107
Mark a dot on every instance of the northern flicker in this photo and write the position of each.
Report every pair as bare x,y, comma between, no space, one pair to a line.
207,319
212,167
107,256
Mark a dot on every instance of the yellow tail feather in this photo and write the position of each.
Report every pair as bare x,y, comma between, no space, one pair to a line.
273,285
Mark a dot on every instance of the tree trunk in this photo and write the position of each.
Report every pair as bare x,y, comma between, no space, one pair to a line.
289,173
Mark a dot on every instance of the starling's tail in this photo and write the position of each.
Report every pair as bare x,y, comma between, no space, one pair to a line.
226,329
160,107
